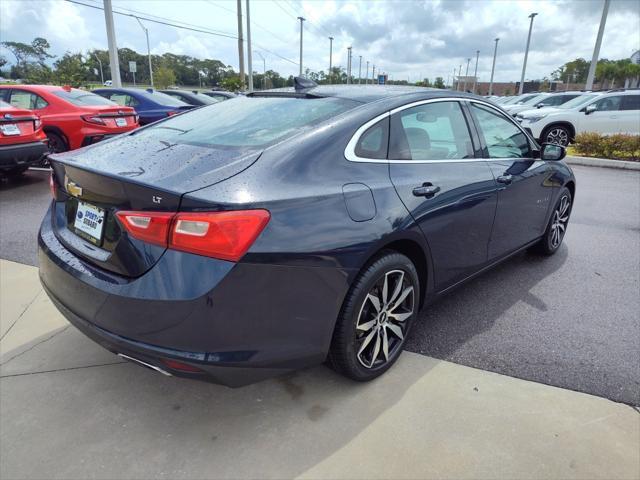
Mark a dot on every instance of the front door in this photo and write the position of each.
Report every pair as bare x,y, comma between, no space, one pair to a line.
525,189
450,193
605,119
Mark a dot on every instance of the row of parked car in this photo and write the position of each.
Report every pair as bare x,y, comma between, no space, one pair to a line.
39,119
559,117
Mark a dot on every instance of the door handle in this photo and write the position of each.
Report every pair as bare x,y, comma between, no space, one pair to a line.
426,190
506,179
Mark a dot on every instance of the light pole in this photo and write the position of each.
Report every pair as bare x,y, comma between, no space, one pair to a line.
475,73
330,59
146,32
493,66
526,54
100,63
453,78
373,75
459,73
366,78
240,45
264,70
596,49
348,65
466,76
360,70
249,63
302,19
114,63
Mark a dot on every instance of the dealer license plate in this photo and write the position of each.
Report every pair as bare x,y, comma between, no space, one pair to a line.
121,122
10,129
89,222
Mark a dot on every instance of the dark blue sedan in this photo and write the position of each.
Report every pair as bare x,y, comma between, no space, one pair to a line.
280,229
149,104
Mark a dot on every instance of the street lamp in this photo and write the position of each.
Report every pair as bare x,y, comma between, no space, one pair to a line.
146,32
493,67
100,63
466,76
526,54
264,69
475,74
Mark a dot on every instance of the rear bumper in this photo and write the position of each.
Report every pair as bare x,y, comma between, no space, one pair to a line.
237,323
21,155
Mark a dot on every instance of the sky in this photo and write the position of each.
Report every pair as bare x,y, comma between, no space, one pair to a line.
407,39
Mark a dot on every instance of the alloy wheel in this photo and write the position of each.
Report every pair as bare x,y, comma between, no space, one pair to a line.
381,324
558,136
559,222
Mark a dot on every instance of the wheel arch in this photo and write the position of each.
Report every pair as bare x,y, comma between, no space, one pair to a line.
57,131
561,123
571,185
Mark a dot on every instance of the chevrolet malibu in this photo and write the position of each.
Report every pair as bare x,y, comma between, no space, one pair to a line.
280,229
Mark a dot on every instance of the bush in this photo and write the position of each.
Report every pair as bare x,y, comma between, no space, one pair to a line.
620,146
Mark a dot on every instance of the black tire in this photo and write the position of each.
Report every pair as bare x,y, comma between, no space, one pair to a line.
359,310
549,243
557,134
57,143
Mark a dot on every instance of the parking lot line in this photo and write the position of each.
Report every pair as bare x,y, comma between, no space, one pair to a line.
425,419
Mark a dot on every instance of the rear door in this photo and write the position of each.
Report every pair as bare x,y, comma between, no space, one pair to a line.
524,186
629,115
606,118
450,193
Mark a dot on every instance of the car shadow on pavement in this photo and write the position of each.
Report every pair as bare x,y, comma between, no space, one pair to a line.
448,328
20,181
137,423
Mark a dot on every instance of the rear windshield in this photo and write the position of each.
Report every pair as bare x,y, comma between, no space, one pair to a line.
247,121
164,99
82,98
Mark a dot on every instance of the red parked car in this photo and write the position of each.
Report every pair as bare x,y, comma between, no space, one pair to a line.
71,118
22,141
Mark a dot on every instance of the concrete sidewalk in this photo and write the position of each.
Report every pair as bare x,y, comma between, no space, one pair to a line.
72,410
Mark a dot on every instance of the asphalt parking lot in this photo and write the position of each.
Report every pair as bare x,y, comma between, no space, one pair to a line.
570,321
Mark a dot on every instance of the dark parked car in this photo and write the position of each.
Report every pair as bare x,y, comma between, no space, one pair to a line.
273,231
219,95
150,105
192,97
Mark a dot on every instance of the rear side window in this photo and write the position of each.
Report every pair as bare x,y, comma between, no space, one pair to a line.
433,131
609,104
28,100
631,102
82,98
123,99
373,143
502,137
247,121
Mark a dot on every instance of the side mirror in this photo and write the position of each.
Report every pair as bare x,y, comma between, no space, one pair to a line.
552,152
590,109
539,105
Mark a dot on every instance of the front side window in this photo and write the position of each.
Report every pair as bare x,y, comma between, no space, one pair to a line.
27,100
502,137
631,102
608,104
433,131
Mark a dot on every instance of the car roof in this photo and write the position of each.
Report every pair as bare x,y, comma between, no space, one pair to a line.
46,88
177,90
365,93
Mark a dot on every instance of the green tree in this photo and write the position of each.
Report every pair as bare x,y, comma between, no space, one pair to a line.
164,77
70,70
29,56
231,83
439,83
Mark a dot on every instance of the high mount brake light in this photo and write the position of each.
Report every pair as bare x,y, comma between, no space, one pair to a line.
225,235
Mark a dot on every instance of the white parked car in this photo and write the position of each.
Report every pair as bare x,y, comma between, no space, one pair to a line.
616,111
108,83
526,104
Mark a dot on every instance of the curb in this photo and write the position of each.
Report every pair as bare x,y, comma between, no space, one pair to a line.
602,162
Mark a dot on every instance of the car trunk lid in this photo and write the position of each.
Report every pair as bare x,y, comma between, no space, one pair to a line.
96,182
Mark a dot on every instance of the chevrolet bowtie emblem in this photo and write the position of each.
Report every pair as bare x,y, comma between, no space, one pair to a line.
73,189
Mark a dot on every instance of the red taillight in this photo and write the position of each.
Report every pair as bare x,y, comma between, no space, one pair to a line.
224,235
151,227
53,186
176,365
93,119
